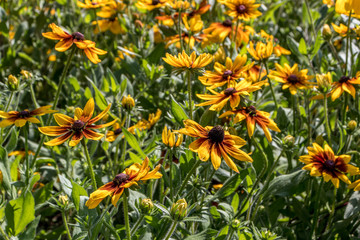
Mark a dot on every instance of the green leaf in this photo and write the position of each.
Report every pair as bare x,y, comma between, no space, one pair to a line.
99,97
74,82
178,111
302,47
113,82
229,187
5,169
319,41
235,202
30,232
131,139
11,145
19,213
77,191
207,117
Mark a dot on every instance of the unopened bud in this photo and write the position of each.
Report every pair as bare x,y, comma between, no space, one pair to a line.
235,224
326,32
146,205
324,82
179,209
26,74
63,199
128,103
289,141
12,83
352,125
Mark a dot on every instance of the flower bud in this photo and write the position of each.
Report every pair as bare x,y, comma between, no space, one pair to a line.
63,199
235,224
128,103
324,82
289,141
146,205
13,83
171,139
352,125
179,209
326,32
26,74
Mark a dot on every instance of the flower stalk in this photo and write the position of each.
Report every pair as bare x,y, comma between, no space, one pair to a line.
92,174
63,214
172,230
190,94
192,170
327,125
126,216
271,87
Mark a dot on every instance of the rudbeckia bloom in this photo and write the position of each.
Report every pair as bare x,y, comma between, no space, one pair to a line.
66,41
242,9
347,6
278,50
291,77
341,29
111,24
110,10
91,4
112,135
345,84
20,118
184,61
262,51
253,74
215,142
323,162
252,117
150,4
232,94
226,74
355,185
78,127
130,176
171,139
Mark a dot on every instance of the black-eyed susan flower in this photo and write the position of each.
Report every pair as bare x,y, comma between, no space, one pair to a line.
111,24
278,50
329,3
78,127
342,30
128,102
232,95
130,176
154,118
171,139
150,4
253,74
242,9
323,162
227,74
262,51
92,4
22,117
186,62
20,153
345,84
111,9
214,142
355,185
291,77
348,6
189,40
66,41
253,117
116,131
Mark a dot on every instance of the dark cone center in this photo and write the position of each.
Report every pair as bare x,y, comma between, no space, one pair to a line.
293,79
155,2
24,114
78,125
118,131
227,23
329,164
216,134
78,36
241,9
227,74
120,178
251,110
344,79
229,91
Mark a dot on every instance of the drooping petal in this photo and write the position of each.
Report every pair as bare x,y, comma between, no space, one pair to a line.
59,140
92,135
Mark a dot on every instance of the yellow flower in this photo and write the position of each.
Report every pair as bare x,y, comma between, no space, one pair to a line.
347,6
323,162
111,24
330,3
171,139
110,10
78,127
341,30
26,74
128,102
130,176
278,50
194,25
187,39
91,4
179,209
150,4
232,95
20,153
253,74
345,84
215,142
242,9
117,130
226,74
12,82
324,81
66,41
176,4
20,118
252,117
291,77
189,62
262,51
154,118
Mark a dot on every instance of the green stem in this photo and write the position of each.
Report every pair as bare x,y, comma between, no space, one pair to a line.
126,216
123,150
333,50
92,174
316,210
344,107
311,19
327,125
66,225
271,87
33,97
61,82
4,234
347,44
179,26
112,230
26,129
332,211
170,174
171,231
294,113
308,110
192,170
135,227
190,95
6,109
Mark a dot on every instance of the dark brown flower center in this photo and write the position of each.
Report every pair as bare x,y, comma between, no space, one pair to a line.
292,78
78,125
329,164
24,114
227,23
118,131
241,9
227,74
216,134
120,178
94,3
78,36
229,91
344,79
155,2
251,110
